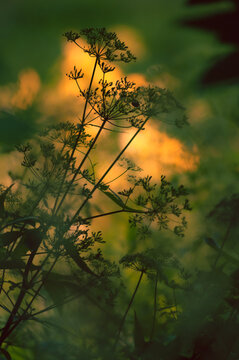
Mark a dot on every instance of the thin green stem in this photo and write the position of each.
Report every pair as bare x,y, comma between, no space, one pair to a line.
91,145
80,166
226,236
175,302
8,329
78,136
155,307
106,172
19,300
45,187
127,310
134,211
117,177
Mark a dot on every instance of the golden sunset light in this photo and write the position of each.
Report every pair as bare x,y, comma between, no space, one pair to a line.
157,153
119,195
22,94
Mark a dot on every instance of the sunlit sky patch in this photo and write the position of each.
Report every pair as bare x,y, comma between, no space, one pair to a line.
154,150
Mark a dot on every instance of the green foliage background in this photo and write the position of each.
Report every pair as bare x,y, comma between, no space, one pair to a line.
31,38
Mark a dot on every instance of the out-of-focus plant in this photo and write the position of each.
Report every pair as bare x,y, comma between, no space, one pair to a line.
47,248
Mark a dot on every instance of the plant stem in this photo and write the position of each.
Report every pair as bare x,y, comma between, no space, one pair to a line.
175,302
223,242
155,307
19,299
134,211
106,172
127,310
80,166
78,136
93,142
7,330
45,187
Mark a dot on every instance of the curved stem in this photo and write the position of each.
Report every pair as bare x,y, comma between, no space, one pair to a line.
155,306
134,211
127,310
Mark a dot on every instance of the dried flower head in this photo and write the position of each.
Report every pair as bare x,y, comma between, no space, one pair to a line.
102,44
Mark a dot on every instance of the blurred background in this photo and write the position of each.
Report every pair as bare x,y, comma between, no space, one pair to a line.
189,47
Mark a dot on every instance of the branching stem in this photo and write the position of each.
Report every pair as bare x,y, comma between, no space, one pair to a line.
78,136
106,172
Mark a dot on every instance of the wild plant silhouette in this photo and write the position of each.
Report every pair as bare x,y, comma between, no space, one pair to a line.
50,256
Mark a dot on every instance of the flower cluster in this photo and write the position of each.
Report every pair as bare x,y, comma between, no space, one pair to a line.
162,205
102,44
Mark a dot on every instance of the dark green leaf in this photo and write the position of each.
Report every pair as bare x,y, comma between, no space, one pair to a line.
71,250
213,244
30,220
9,237
60,286
12,264
112,195
30,240
116,199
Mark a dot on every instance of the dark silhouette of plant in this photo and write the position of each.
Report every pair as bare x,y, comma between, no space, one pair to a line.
47,248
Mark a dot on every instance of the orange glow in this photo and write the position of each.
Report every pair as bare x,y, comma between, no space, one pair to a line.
131,38
166,80
22,94
29,85
199,110
138,79
65,95
74,56
6,93
153,150
157,153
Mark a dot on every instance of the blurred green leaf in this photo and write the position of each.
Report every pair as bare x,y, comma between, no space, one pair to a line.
16,127
12,264
212,243
30,240
72,251
9,237
20,353
60,286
